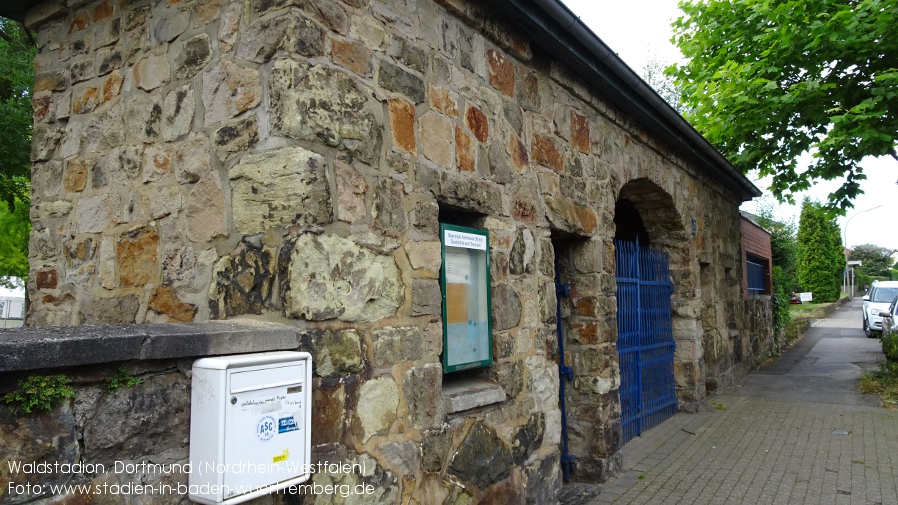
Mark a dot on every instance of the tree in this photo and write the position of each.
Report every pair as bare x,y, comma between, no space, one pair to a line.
783,243
876,260
784,251
770,80
654,75
17,51
820,260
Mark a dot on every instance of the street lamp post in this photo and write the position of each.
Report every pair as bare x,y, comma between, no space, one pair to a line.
846,275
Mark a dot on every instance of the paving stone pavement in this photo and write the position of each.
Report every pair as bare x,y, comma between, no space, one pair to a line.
794,432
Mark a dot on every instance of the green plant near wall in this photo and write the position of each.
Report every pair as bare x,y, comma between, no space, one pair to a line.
121,378
39,392
890,346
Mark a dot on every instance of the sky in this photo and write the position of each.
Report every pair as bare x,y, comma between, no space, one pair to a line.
639,31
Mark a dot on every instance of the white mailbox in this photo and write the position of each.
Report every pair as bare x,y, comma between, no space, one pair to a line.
250,425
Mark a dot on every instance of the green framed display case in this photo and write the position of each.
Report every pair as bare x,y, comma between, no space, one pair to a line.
467,303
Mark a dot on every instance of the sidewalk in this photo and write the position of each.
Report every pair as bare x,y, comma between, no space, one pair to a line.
794,432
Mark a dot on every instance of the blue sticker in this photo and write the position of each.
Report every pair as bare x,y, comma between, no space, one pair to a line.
265,428
286,424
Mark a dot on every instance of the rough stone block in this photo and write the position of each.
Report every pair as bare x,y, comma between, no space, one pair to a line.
137,257
483,458
426,297
395,78
278,189
465,154
228,90
402,124
352,119
352,56
421,387
501,72
378,402
334,353
332,277
434,130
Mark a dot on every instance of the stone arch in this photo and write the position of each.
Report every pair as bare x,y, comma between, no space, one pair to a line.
645,209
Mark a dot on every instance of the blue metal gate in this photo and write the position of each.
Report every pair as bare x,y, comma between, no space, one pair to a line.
645,341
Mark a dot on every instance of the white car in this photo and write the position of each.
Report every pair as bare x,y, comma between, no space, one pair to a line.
878,300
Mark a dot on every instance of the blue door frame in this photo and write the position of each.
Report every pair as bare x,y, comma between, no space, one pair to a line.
644,338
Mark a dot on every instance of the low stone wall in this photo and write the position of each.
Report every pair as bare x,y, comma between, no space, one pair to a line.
107,437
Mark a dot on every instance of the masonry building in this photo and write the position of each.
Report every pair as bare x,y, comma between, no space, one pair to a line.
292,162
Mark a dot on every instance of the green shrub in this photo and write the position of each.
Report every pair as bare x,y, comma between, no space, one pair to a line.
39,392
890,345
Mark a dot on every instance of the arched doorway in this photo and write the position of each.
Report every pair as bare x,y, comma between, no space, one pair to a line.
649,244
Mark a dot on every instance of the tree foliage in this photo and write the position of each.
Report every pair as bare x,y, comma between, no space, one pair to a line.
17,50
783,241
769,80
653,73
820,260
876,260
14,229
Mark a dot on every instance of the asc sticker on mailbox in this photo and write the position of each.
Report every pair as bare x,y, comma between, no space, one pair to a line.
265,428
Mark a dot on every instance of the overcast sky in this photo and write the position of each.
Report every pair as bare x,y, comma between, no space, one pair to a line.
639,31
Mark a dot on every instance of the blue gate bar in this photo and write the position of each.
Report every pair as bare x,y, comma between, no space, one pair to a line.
645,338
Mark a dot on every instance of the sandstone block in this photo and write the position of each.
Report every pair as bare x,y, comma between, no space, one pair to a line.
427,298
75,175
290,32
178,110
545,152
351,190
228,90
96,213
192,159
205,215
137,257
580,133
165,301
353,56
569,216
332,277
325,105
477,123
192,56
424,255
434,130
115,310
402,125
501,72
443,100
396,345
236,137
278,189
483,459
395,78
421,387
465,156
378,402
335,354
152,72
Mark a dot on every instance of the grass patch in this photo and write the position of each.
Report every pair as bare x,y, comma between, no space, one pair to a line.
882,382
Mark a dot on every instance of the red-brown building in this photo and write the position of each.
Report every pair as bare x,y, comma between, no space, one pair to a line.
757,257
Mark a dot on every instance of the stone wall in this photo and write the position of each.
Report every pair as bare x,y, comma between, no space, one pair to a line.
291,160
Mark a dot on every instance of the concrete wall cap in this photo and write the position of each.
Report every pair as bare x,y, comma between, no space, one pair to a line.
31,348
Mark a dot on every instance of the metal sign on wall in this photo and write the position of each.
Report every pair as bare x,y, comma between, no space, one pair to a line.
467,310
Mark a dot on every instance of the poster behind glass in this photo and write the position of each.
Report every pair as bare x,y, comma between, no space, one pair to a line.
467,335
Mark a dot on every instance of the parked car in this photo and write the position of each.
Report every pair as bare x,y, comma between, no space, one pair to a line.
877,300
